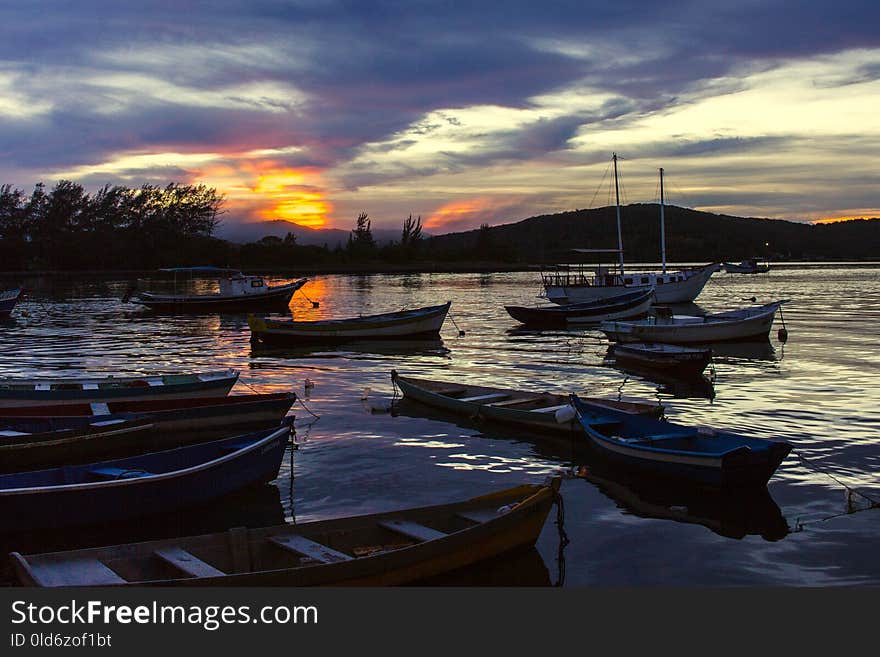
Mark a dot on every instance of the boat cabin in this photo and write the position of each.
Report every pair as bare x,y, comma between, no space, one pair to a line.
239,285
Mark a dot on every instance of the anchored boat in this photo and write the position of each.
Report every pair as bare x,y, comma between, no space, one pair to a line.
419,324
623,306
238,293
674,359
541,411
740,324
383,549
697,454
65,390
8,299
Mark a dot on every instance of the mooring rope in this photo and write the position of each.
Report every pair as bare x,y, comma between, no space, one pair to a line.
460,332
563,537
849,489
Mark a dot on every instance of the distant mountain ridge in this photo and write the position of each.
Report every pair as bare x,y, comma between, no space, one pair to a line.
241,233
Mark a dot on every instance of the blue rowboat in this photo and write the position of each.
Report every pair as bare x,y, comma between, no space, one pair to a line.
8,299
125,489
29,392
697,454
419,323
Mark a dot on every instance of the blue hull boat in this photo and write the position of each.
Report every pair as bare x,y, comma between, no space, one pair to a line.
126,489
8,299
700,455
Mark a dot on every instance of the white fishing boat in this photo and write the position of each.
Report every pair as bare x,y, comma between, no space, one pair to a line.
569,285
740,324
750,266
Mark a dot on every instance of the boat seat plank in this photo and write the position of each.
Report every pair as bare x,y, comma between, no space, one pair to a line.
479,516
549,409
516,402
77,572
308,548
449,392
89,386
485,398
187,562
668,436
412,530
601,421
100,408
42,386
155,382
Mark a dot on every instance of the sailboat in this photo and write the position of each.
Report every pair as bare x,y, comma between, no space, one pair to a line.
565,286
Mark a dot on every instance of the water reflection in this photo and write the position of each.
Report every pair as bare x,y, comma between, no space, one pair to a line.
734,514
354,349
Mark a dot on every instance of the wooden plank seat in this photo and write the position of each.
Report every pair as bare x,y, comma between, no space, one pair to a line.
449,392
412,530
478,516
667,436
485,398
306,547
78,572
187,562
549,409
515,402
120,473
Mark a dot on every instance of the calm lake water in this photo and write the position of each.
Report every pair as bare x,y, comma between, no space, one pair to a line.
820,390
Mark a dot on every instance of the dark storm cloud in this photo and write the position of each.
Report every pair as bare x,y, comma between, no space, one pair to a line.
371,69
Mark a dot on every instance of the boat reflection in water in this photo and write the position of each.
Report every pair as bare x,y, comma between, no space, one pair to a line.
731,514
355,349
760,350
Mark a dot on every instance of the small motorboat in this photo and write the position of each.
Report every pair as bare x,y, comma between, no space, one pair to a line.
65,390
701,455
536,411
383,549
416,324
628,305
8,299
740,324
126,489
238,293
750,266
675,359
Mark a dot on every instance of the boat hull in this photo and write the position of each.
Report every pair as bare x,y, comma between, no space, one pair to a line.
628,305
8,299
419,324
278,297
691,363
679,291
29,500
707,331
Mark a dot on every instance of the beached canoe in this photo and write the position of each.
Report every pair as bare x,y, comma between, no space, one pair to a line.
8,299
536,411
126,489
623,306
741,324
65,390
47,442
419,323
675,359
701,455
383,549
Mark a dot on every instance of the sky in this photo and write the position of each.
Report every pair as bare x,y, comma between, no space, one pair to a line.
461,113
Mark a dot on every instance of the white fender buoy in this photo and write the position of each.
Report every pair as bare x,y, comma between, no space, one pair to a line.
565,414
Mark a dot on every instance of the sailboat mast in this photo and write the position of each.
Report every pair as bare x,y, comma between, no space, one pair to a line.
662,224
617,198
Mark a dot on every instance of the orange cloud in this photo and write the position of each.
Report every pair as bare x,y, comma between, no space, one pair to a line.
834,220
466,213
267,190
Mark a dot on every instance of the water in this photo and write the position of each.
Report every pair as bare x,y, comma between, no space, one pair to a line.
820,391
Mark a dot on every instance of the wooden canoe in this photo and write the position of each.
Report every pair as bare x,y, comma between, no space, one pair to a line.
535,411
701,455
419,323
47,442
623,306
126,489
383,549
65,390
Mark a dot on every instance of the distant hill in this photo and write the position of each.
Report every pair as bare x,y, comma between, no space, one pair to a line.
691,236
241,233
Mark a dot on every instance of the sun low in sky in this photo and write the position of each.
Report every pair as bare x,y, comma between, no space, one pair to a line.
462,113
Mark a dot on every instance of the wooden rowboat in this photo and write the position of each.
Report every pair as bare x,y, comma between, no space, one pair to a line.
8,299
52,391
46,442
623,306
701,455
741,324
93,435
126,489
535,411
419,323
383,549
675,359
